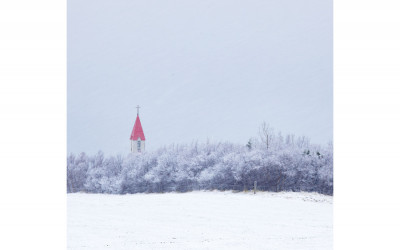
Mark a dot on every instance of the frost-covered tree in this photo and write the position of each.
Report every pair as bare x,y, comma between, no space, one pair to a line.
277,164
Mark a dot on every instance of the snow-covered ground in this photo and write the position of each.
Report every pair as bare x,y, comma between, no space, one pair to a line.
200,220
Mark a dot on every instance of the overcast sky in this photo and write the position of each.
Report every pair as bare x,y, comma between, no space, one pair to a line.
199,69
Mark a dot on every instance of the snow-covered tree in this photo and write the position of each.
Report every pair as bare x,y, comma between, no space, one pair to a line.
277,164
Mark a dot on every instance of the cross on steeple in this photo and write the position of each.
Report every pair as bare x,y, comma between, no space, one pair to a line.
138,107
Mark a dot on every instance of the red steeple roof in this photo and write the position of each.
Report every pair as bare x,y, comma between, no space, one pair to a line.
137,130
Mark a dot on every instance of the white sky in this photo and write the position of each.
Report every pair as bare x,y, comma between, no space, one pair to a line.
199,69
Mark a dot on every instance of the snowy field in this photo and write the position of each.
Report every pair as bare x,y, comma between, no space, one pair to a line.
200,220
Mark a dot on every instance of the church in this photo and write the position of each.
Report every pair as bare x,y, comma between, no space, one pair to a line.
137,136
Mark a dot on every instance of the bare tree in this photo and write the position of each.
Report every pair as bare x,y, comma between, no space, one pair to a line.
303,142
266,133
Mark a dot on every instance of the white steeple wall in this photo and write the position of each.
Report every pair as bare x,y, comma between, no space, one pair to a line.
135,146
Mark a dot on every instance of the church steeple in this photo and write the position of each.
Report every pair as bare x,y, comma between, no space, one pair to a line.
137,136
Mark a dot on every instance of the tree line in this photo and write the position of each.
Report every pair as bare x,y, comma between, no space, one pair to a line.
276,162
